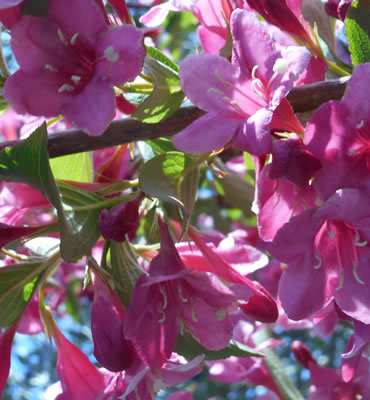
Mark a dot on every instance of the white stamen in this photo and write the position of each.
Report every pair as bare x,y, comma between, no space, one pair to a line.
182,298
65,87
61,37
357,242
254,72
219,77
360,124
319,259
111,55
281,66
74,38
164,294
341,281
193,313
49,67
355,274
76,79
163,318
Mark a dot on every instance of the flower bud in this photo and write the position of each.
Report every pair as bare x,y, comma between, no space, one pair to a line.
302,353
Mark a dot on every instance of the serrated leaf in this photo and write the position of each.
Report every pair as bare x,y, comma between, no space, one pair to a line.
190,348
358,31
159,177
17,285
73,167
166,97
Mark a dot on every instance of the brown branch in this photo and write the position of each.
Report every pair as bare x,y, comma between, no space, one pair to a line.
302,98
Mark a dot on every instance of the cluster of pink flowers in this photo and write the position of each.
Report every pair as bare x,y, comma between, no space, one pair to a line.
304,265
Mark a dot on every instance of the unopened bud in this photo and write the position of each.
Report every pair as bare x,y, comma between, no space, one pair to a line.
302,353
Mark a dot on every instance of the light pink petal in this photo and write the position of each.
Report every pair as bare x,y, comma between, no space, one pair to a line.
253,135
21,87
9,3
212,42
208,81
92,109
252,45
36,45
124,62
209,132
156,15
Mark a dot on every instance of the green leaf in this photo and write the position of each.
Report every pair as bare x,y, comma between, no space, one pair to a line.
160,176
150,148
358,31
159,56
73,167
78,210
17,285
190,348
167,95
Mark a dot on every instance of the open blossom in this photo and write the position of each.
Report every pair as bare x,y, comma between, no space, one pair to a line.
328,253
240,97
338,134
70,68
172,298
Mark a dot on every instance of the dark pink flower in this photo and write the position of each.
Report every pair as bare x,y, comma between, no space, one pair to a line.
240,97
338,8
338,134
173,298
327,249
72,66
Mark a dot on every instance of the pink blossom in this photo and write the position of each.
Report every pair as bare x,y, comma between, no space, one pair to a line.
338,8
331,254
173,298
240,97
338,134
72,66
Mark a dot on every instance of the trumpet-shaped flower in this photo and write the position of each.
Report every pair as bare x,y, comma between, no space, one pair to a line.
72,66
328,253
240,97
171,299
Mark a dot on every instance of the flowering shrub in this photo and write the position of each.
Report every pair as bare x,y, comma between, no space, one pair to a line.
197,234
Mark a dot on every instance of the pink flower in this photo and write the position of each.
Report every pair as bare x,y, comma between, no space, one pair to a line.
172,297
327,248
338,134
240,97
72,66
338,8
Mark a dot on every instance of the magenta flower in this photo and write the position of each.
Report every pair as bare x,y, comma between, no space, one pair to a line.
240,97
72,66
330,254
173,298
338,134
338,8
